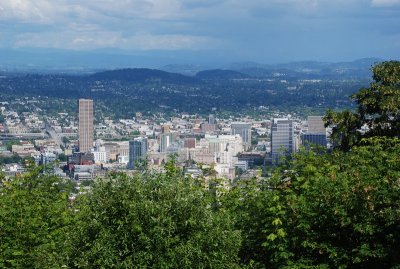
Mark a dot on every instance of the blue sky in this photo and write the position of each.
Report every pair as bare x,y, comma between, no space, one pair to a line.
231,30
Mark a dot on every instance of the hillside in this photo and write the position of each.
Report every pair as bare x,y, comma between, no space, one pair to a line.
142,75
219,74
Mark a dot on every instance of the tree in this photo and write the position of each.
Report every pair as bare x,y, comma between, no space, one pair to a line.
379,105
345,129
62,157
10,143
152,220
336,210
34,220
378,109
65,140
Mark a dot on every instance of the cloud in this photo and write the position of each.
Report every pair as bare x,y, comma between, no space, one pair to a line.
134,9
27,11
46,11
240,27
106,39
385,3
90,24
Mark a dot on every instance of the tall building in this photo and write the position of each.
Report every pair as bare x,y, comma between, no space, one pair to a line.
189,142
85,125
316,124
166,129
137,151
316,133
244,130
211,119
208,128
308,139
166,139
282,138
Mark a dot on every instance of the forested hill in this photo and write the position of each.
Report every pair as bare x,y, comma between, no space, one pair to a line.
125,91
142,75
218,74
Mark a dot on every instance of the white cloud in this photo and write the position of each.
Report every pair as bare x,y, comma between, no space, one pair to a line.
385,3
26,11
88,24
46,11
107,39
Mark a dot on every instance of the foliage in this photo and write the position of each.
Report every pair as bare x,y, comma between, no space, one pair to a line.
10,143
320,210
14,158
345,129
379,105
152,220
119,94
338,210
34,217
249,204
62,157
65,140
378,109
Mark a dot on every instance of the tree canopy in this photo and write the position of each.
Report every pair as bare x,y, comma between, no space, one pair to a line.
152,221
378,109
34,218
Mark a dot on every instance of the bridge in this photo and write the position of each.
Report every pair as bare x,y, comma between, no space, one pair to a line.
23,136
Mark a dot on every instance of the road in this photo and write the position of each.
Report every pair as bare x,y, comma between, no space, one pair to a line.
54,135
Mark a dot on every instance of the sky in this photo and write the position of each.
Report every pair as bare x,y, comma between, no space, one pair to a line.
266,31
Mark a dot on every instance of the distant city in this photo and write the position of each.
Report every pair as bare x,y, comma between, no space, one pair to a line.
83,150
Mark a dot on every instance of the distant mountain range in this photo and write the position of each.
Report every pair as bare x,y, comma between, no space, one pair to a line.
298,70
77,62
310,69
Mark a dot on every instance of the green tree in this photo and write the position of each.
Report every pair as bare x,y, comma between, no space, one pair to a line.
378,109
34,219
9,144
379,105
336,210
152,221
65,140
345,128
62,157
15,158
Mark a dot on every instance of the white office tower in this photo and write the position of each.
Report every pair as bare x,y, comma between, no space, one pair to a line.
282,138
166,140
217,149
99,152
85,125
100,155
244,130
137,151
224,147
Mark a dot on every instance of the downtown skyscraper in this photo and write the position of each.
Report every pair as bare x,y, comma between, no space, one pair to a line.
137,151
85,125
244,130
282,139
